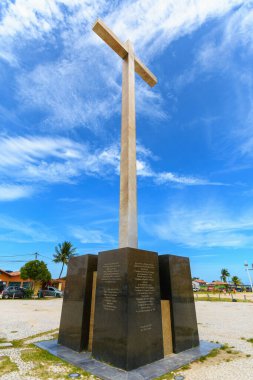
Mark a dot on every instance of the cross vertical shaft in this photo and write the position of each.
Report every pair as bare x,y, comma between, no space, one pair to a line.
128,234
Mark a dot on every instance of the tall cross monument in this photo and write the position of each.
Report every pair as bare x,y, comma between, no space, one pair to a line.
129,307
128,228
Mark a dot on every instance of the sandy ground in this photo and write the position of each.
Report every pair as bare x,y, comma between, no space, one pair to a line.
218,321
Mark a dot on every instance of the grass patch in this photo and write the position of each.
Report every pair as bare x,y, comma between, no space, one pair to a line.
18,343
250,340
233,352
217,299
213,353
49,366
168,376
33,354
185,367
212,299
6,365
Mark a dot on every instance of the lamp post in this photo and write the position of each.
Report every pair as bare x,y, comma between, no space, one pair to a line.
247,270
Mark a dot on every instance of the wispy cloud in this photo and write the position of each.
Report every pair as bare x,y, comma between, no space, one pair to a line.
13,192
53,160
24,231
91,236
62,87
204,226
227,52
47,160
169,177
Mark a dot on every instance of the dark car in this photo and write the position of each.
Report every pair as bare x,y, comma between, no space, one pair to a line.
13,292
50,291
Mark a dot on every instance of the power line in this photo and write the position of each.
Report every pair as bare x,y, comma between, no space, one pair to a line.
50,258
28,254
13,261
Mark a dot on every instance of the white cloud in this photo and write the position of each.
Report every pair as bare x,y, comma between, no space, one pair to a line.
38,159
168,177
203,226
13,192
153,25
89,236
25,231
66,87
227,52
53,160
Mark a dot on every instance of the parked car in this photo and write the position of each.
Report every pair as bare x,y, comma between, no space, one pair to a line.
2,287
50,291
248,289
13,292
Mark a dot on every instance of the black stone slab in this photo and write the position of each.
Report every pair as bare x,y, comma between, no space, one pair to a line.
106,372
176,286
75,317
128,325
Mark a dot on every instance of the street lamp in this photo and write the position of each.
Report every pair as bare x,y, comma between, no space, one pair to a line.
247,270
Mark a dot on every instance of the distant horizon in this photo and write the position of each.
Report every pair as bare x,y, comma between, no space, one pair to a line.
54,271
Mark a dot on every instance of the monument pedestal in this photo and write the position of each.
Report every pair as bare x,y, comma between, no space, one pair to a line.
76,308
176,286
128,324
128,307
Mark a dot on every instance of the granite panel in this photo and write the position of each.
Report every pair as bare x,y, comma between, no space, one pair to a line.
128,325
75,317
176,286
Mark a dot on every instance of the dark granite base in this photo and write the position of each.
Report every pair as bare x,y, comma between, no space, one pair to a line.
176,286
128,325
85,361
76,307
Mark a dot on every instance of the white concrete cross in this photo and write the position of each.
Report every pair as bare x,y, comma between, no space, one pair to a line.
128,229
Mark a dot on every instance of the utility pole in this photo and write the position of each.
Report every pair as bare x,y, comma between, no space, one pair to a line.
36,255
247,270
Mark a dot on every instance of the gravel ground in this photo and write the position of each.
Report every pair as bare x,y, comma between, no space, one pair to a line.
226,323
23,318
218,321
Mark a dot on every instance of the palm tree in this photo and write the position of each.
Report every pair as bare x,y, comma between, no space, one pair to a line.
236,281
224,274
63,253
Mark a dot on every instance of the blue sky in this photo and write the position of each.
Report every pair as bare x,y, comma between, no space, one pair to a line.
60,108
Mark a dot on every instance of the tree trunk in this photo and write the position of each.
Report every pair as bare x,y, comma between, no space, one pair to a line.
61,270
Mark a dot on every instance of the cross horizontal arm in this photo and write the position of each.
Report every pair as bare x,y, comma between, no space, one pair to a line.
112,40
144,72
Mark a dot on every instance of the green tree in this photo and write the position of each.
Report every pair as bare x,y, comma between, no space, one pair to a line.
36,271
236,281
63,252
224,274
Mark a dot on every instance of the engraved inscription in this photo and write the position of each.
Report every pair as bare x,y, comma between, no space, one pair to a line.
145,288
146,327
111,277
